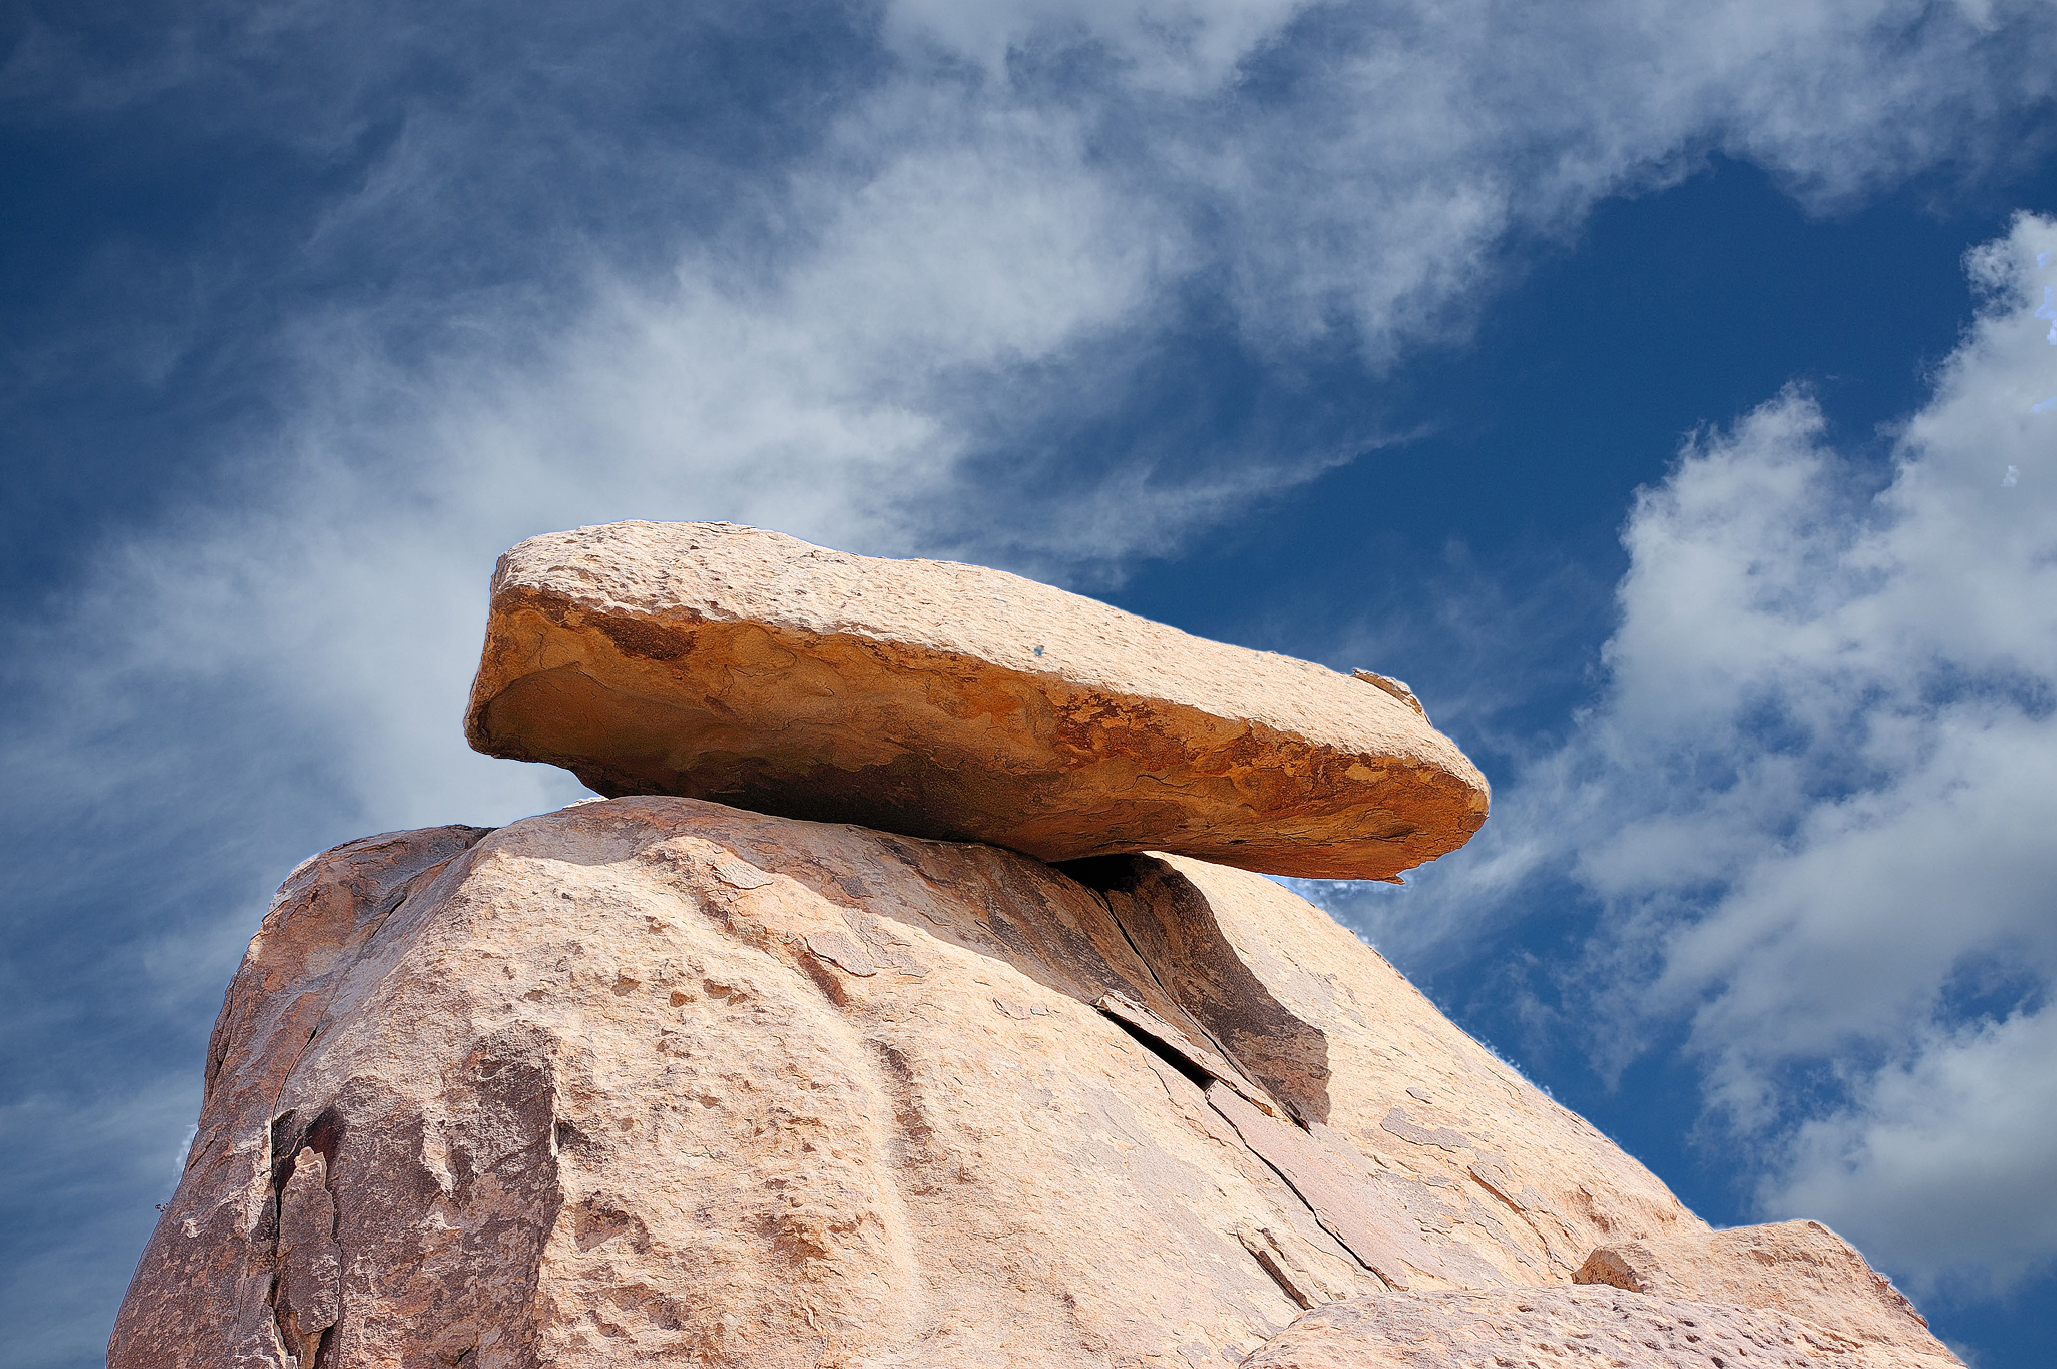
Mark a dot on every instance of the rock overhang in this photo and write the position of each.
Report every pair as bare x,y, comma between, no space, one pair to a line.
945,700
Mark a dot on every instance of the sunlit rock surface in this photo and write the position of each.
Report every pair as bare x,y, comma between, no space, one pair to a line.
659,1078
1801,1268
1562,1328
947,700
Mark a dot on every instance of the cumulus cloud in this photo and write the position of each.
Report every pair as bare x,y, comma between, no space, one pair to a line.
1943,1159
1813,804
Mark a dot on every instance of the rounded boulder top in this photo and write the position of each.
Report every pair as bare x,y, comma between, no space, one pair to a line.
937,699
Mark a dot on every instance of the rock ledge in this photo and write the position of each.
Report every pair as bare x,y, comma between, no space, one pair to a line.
945,700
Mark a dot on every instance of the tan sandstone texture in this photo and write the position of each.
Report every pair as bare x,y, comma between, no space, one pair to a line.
1561,1328
1801,1268
658,1080
712,661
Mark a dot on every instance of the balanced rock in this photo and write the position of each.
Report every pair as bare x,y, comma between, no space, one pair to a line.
988,1081
657,1079
706,660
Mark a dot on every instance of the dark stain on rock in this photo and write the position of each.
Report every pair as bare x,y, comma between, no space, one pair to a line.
1173,928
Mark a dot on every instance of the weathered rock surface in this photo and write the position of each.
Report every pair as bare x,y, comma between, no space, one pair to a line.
656,1079
947,700
1562,1328
1505,1180
1799,1268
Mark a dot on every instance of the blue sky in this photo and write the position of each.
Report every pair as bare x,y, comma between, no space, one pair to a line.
1649,383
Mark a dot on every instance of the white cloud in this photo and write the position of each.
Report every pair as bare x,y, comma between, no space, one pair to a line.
1184,47
1816,803
1944,1161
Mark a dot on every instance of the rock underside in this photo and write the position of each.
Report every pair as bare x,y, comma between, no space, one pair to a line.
659,1080
944,700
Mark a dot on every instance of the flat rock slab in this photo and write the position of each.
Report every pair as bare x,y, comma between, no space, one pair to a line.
950,701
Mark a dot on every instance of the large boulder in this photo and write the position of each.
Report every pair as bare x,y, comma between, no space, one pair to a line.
658,1079
943,700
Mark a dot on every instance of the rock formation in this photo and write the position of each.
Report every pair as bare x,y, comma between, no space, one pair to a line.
661,1080
945,700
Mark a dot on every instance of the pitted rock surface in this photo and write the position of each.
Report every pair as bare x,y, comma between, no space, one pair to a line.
1556,1328
947,700
1801,1268
656,1078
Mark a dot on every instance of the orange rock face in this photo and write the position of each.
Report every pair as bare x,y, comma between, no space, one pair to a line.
947,700
656,1078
